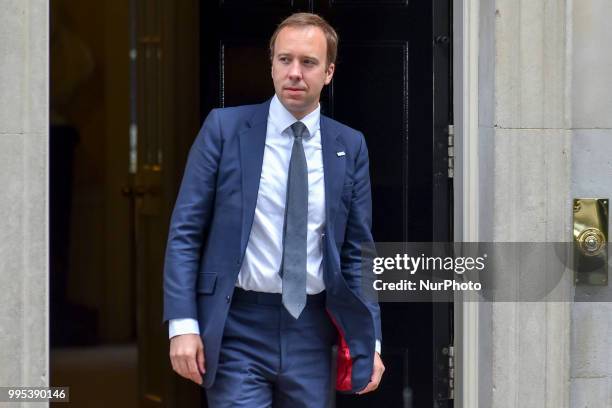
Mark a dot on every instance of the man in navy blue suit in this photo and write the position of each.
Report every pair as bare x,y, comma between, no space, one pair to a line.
263,263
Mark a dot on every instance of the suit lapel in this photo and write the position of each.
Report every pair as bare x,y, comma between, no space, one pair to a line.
333,167
252,144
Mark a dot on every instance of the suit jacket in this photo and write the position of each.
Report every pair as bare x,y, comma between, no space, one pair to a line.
211,224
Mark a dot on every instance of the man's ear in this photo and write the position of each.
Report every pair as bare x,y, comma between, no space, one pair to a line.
330,73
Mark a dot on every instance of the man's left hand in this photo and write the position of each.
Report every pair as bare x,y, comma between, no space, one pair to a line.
377,373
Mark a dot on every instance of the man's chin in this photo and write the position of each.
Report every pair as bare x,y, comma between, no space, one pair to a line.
293,100
294,105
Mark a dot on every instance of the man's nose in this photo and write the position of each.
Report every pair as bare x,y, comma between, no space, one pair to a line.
295,71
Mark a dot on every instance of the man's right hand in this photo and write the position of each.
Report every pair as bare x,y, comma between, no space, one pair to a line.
187,356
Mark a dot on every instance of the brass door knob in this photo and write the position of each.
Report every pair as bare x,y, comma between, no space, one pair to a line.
591,241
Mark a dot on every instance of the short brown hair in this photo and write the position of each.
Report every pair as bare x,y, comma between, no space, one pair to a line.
309,19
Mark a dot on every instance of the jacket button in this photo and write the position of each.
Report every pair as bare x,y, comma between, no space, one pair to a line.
227,298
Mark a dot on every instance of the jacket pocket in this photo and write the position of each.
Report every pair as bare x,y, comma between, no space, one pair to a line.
206,283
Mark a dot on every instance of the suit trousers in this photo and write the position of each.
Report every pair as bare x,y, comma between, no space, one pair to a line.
269,359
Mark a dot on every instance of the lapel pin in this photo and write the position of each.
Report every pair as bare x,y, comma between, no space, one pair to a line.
340,154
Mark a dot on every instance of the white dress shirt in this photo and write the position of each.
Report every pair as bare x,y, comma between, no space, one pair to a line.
262,260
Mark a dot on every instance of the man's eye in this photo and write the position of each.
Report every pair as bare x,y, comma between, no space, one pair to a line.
309,62
284,59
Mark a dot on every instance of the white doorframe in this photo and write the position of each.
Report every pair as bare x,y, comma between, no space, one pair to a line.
466,193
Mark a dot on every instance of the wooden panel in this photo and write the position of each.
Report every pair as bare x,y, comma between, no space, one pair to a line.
166,114
149,124
373,97
239,85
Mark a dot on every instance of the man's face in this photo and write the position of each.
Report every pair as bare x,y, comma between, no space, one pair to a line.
299,68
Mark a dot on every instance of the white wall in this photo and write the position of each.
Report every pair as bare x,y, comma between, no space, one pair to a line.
23,201
544,137
591,354
524,143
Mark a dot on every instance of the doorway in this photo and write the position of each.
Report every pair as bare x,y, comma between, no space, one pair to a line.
92,308
393,83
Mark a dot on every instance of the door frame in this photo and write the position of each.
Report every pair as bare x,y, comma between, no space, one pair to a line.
167,35
466,191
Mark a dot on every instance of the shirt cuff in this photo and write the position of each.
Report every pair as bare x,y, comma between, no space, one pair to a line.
183,326
377,346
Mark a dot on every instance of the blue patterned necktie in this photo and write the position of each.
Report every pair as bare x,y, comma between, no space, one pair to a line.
296,222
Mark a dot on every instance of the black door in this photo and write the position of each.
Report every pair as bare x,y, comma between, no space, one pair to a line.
392,82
